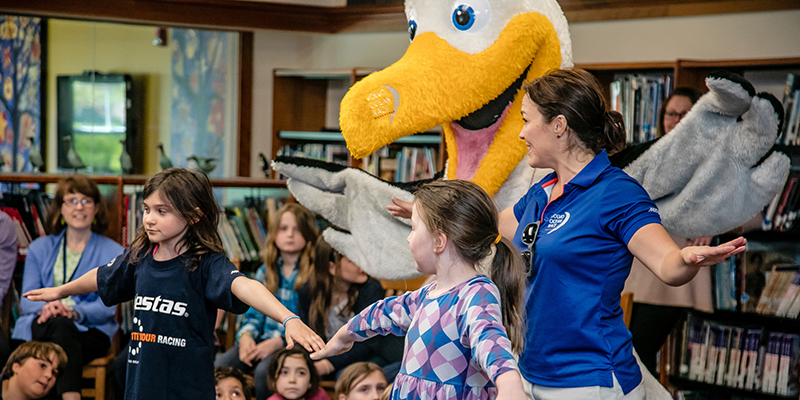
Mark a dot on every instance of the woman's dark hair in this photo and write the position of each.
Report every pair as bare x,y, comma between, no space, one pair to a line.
54,222
468,217
690,93
276,364
245,380
308,228
189,194
576,94
321,287
353,375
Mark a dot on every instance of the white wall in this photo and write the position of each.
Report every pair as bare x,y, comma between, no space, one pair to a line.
729,36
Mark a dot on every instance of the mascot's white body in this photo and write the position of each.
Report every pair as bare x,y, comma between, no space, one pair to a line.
463,70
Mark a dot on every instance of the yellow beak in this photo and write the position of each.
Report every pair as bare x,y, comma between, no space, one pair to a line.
436,84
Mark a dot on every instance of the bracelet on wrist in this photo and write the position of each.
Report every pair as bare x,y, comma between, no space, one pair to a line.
289,318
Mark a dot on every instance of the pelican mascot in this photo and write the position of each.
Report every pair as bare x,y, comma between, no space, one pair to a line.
463,70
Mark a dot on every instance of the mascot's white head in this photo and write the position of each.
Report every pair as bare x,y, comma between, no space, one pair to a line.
463,70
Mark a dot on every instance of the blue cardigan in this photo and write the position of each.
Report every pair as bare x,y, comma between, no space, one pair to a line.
42,254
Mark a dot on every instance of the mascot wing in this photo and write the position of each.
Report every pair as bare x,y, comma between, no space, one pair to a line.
702,174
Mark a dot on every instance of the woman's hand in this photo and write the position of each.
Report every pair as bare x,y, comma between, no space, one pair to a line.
701,241
54,309
44,294
704,256
247,346
340,343
400,208
297,331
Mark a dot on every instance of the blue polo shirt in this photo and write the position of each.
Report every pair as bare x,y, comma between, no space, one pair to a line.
576,336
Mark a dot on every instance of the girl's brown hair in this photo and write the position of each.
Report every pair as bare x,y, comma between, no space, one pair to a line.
245,380
353,375
308,228
54,223
276,364
576,94
321,285
189,194
38,350
468,217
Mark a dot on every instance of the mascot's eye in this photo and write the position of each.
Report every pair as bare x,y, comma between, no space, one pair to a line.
471,17
412,29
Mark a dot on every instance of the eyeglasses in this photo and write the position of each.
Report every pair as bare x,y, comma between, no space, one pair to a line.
529,239
673,114
86,202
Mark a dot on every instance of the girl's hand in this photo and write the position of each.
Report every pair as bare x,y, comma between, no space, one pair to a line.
704,256
509,386
247,347
400,208
340,343
44,294
297,331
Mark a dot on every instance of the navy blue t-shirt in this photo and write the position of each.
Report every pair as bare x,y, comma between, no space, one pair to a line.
171,351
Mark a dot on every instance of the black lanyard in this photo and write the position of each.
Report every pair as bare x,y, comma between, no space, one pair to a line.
64,260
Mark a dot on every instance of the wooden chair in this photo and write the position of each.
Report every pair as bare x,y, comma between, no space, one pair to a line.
98,369
627,308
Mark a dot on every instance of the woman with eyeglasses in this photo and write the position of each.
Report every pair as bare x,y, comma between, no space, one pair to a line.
583,224
658,307
82,325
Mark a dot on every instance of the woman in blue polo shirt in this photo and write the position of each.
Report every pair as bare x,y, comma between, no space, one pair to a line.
587,220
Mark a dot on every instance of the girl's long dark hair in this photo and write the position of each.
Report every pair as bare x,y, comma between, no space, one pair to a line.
468,217
189,194
321,288
308,228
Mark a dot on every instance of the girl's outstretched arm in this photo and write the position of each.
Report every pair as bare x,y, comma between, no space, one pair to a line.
87,283
254,294
339,343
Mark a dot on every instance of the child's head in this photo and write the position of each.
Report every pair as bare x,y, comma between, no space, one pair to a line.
231,383
33,367
179,207
360,381
330,270
461,213
292,374
292,233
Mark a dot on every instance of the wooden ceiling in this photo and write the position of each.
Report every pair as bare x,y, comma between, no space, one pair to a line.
248,16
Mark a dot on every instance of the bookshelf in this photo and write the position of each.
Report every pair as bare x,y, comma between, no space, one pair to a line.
306,117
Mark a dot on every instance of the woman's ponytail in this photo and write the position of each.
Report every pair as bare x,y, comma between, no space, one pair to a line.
508,274
613,131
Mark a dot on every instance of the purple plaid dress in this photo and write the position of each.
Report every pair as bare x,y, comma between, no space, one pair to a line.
456,344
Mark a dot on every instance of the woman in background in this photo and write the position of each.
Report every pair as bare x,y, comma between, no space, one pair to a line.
82,325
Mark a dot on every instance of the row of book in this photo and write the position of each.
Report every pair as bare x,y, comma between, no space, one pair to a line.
790,134
402,165
638,98
738,357
782,211
28,212
758,281
332,153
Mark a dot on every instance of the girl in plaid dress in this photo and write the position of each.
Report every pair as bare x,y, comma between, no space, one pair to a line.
461,329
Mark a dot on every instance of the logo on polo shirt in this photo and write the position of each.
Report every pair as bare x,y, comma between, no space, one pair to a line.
556,221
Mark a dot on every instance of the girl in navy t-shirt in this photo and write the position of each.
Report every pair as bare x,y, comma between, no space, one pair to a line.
178,275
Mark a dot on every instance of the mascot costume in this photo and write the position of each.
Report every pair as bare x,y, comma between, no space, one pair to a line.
463,70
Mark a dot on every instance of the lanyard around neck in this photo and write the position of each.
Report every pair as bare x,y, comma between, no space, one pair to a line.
64,260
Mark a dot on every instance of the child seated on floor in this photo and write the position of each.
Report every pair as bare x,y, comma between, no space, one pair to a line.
31,370
361,381
292,376
231,383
